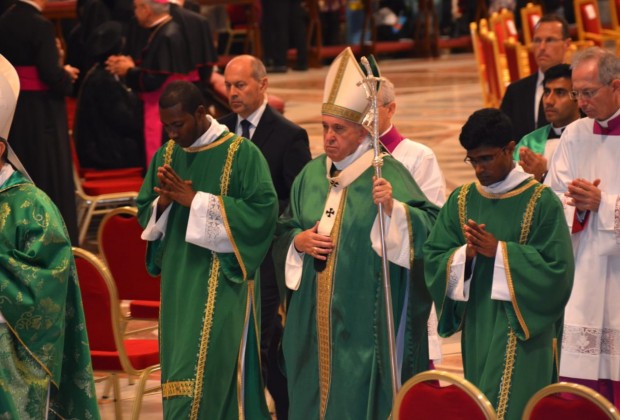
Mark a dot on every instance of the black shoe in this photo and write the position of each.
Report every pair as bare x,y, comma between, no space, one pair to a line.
300,67
277,69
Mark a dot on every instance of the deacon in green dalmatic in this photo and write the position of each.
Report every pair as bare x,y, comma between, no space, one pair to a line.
499,266
209,209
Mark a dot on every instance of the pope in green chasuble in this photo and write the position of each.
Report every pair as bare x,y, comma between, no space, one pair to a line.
335,346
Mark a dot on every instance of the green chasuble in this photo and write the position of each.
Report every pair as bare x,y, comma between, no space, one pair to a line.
535,141
208,331
335,347
44,338
510,348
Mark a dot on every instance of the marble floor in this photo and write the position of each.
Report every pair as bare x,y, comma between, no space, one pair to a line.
434,98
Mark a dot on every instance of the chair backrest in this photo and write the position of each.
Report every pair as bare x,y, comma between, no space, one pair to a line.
530,15
502,24
587,17
517,60
496,78
614,9
125,254
566,401
423,397
478,54
99,300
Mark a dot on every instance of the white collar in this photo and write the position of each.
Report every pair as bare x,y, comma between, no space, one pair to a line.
605,123
214,131
361,149
5,173
514,178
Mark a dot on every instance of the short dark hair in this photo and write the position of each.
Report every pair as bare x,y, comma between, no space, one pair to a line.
184,93
486,127
551,17
558,71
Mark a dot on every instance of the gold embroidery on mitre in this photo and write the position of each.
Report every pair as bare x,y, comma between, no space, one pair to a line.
177,389
323,310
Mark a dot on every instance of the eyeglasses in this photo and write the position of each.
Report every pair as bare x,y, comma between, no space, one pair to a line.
483,160
549,40
585,94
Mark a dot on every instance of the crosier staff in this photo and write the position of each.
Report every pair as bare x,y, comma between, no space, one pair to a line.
371,84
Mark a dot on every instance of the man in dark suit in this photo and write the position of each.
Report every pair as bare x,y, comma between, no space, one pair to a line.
522,101
285,146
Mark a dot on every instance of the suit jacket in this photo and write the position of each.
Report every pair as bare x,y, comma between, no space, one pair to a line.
284,144
518,104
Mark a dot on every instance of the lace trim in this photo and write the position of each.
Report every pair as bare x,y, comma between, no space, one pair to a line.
591,341
214,226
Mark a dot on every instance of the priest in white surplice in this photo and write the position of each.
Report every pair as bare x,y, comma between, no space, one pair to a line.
584,172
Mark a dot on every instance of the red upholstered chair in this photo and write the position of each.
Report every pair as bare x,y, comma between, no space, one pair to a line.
614,8
423,397
502,24
517,60
530,15
124,253
482,67
589,26
98,192
553,403
497,74
110,353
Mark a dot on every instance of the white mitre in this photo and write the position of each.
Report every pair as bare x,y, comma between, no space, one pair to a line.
344,95
9,91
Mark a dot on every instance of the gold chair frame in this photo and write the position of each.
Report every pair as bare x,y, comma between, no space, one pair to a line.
124,317
526,12
439,375
575,389
120,346
605,35
93,205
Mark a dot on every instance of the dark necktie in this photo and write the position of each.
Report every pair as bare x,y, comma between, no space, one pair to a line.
245,129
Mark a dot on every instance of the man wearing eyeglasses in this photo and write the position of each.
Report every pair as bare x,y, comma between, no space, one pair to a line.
522,100
584,173
499,266
535,149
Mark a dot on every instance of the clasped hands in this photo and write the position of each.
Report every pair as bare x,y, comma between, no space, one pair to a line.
584,195
479,240
173,188
532,162
119,65
320,246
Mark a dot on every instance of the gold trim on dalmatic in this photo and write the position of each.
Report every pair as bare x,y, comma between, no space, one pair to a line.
462,201
323,311
509,363
242,349
511,346
177,389
212,291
